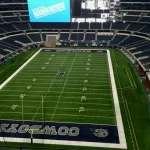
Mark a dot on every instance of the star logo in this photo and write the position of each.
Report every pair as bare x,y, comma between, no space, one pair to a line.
102,133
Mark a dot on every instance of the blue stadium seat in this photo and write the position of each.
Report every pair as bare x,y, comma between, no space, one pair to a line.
145,19
22,26
77,36
12,42
11,19
130,18
117,39
146,29
22,38
119,25
8,27
2,31
105,38
3,52
24,18
64,36
96,25
35,37
89,36
74,25
135,27
106,25
130,40
83,25
1,21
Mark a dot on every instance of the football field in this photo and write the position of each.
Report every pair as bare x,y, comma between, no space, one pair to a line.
68,87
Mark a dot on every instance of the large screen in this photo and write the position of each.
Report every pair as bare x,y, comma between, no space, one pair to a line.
49,10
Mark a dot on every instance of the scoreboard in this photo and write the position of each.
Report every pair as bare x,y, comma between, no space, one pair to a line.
66,11
49,10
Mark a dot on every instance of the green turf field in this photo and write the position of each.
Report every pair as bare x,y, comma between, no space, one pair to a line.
82,95
132,95
8,68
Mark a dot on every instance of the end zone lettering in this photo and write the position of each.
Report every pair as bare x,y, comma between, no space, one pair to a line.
46,130
59,131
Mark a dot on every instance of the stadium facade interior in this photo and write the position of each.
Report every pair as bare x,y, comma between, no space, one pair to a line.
130,23
122,26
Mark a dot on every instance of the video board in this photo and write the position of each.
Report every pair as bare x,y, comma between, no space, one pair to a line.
49,10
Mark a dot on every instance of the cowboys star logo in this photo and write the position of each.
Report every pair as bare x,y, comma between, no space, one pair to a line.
101,132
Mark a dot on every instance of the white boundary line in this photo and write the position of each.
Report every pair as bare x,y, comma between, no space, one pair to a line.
123,143
17,71
60,122
121,133
61,142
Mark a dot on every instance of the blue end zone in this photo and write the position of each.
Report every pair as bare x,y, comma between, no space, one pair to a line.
59,131
74,51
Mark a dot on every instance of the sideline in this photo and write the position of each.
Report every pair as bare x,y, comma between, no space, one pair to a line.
17,71
123,143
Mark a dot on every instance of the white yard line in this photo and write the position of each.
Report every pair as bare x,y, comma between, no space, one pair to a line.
96,78
58,96
60,108
83,116
30,79
78,68
67,115
103,67
62,91
59,92
70,84
123,143
65,102
51,74
78,62
89,88
76,71
65,121
61,142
